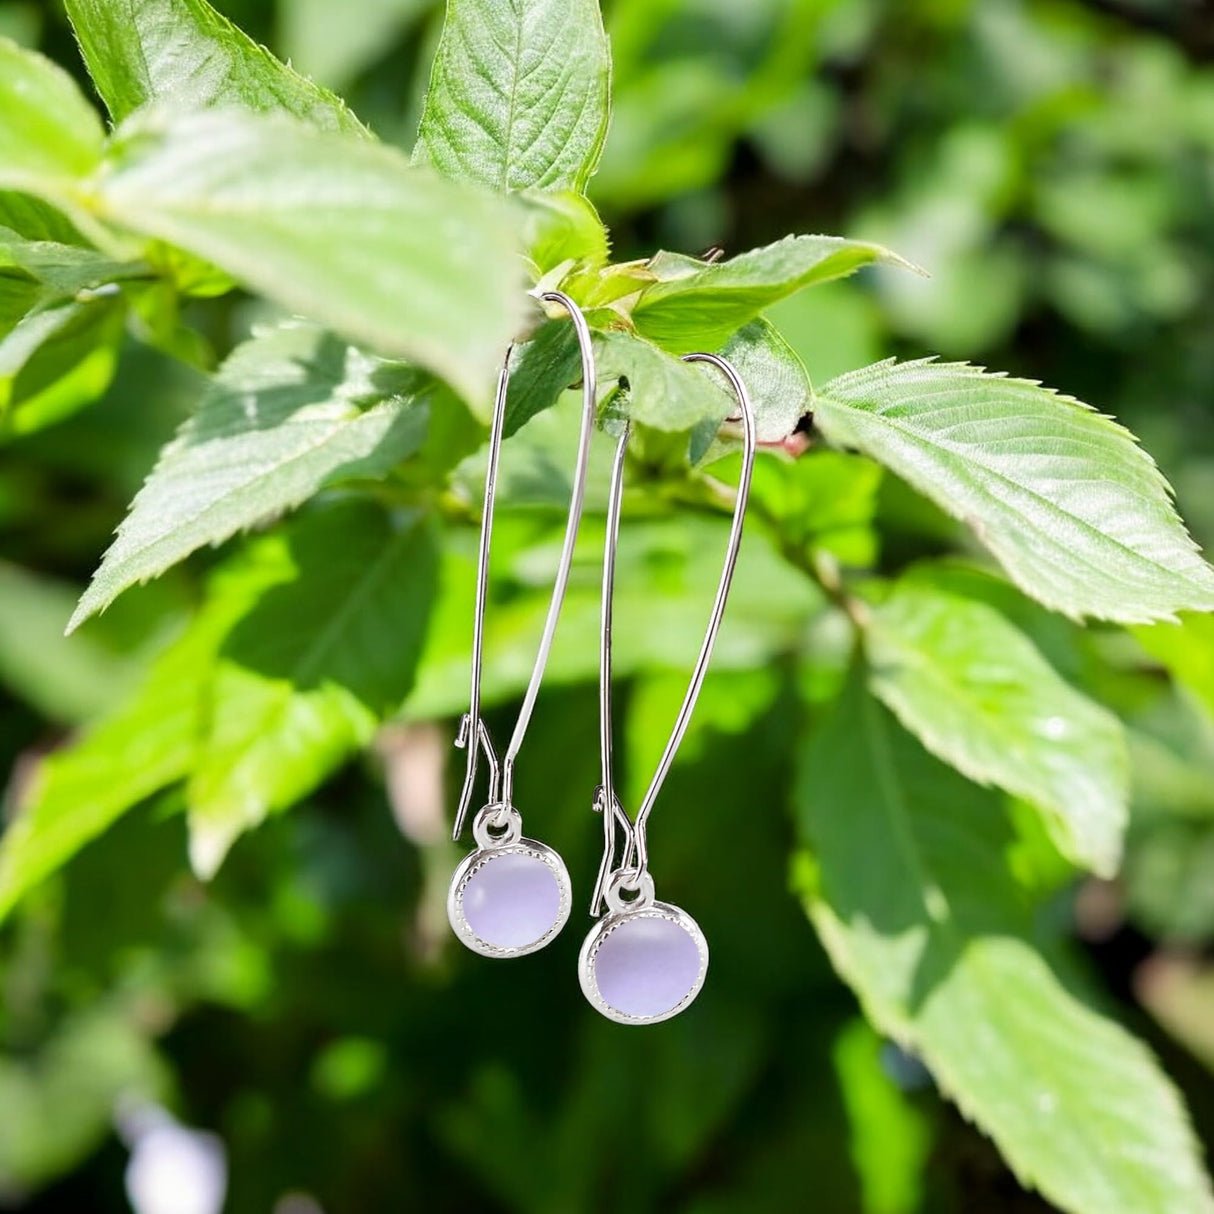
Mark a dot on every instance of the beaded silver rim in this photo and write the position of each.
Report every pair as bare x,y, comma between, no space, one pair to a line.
599,934
474,862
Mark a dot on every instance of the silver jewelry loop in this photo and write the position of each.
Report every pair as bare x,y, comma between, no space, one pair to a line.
636,853
483,741
504,818
627,880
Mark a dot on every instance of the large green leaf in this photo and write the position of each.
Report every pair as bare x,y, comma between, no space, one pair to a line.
978,694
306,675
290,411
306,639
341,230
519,94
143,745
186,56
910,890
663,391
49,134
698,306
1078,514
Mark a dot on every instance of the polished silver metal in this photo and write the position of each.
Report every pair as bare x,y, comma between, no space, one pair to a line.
482,738
634,857
624,887
498,826
607,927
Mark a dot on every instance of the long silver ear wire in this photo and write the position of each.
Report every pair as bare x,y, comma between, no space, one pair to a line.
645,960
511,895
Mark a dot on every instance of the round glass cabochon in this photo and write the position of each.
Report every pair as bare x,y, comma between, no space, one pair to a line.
507,901
642,966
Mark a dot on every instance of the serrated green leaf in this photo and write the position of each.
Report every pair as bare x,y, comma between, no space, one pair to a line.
184,55
304,678
341,230
698,306
978,694
49,133
663,391
290,411
519,94
909,888
1077,513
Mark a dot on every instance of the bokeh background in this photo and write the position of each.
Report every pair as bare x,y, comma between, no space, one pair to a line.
1052,164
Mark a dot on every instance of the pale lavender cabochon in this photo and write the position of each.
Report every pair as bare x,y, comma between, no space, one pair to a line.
512,900
646,966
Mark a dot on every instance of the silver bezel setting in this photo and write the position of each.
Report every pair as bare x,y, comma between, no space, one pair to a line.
604,928
477,860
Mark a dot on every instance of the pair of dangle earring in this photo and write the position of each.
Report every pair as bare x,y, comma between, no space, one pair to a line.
644,960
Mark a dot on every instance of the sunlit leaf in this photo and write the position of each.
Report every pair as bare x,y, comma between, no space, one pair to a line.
184,55
291,410
1077,513
49,134
909,888
979,695
698,306
341,230
519,94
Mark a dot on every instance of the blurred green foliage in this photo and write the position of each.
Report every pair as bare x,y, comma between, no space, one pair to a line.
1052,164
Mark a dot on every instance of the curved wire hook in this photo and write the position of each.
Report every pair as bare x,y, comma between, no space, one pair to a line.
472,732
636,851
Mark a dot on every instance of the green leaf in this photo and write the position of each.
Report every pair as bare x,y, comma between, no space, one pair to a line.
559,228
775,378
663,391
306,675
341,230
33,219
540,370
186,56
1186,649
519,94
49,133
141,747
1077,513
910,890
290,411
64,269
698,306
979,695
58,358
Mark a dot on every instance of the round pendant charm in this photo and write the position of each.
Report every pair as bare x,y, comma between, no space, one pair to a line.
642,965
509,897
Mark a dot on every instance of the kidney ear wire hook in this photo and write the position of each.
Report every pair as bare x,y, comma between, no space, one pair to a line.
633,861
473,735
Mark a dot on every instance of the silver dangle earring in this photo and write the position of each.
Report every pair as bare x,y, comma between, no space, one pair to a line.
645,960
511,895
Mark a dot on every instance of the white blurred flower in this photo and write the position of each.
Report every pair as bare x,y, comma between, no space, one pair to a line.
172,1169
